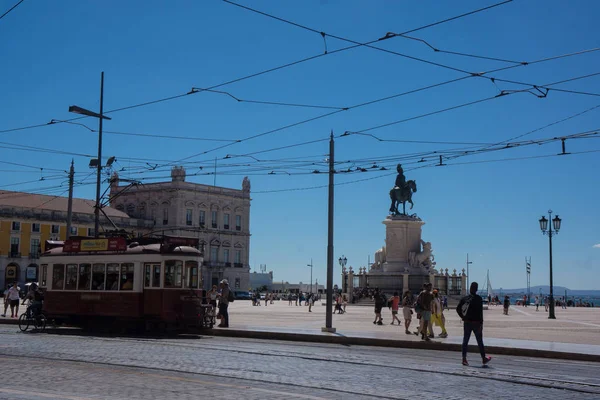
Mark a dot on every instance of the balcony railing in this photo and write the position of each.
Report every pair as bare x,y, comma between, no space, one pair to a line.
238,228
226,226
34,255
238,265
214,225
14,254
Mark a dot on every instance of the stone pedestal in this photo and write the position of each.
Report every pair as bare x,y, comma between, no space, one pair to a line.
402,236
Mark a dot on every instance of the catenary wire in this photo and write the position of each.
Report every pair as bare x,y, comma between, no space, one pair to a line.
10,9
253,75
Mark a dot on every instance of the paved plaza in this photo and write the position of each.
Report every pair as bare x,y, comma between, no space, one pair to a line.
575,334
68,365
579,328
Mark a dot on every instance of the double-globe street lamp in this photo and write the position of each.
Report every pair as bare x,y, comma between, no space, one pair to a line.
100,116
547,230
343,260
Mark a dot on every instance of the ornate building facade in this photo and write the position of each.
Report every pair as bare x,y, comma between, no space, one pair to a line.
28,220
219,217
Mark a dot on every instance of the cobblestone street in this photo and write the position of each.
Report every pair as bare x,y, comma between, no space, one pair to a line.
67,365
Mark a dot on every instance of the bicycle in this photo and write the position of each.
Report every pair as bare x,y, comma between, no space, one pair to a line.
27,318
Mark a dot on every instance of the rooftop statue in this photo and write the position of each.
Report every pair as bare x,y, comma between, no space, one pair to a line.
402,192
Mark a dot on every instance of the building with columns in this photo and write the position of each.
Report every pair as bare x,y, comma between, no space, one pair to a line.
219,217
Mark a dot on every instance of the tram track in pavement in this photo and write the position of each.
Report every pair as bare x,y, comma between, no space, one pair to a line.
341,357
480,373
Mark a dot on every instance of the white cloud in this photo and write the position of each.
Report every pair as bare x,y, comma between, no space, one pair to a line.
597,246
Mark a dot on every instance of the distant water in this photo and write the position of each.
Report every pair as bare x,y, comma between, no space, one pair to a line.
584,299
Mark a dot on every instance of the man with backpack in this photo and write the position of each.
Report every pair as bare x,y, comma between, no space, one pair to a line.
470,310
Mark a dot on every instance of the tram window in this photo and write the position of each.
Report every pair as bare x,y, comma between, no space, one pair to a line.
112,276
85,271
156,275
58,276
173,271
191,274
127,276
98,277
71,277
147,274
43,275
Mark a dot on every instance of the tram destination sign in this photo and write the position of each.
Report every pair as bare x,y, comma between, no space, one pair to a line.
83,245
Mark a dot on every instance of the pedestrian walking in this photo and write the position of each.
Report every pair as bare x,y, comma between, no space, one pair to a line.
407,310
437,315
506,304
424,301
379,303
546,303
6,301
289,299
470,310
394,303
225,297
537,303
13,298
310,302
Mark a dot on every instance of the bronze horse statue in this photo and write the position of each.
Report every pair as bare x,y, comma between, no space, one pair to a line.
402,195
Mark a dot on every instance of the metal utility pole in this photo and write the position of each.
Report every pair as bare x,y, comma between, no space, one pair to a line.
468,262
528,269
99,171
83,111
215,180
70,203
329,303
311,281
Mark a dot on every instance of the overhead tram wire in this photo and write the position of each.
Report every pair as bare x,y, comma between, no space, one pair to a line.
256,168
10,9
369,44
399,95
253,75
424,166
547,86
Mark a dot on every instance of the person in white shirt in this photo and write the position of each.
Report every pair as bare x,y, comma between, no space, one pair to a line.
13,297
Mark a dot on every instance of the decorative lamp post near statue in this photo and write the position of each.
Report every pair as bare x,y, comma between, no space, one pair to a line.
547,230
343,260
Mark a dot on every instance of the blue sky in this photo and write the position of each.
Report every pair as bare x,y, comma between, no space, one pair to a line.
52,55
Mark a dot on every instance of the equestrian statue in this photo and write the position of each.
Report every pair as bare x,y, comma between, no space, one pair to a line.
402,192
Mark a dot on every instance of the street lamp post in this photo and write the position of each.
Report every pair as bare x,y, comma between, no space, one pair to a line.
311,267
468,262
100,116
547,230
343,260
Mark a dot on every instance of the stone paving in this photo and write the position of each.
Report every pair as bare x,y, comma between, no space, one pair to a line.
75,367
579,326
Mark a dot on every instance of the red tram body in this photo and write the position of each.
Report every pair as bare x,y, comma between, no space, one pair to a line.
110,283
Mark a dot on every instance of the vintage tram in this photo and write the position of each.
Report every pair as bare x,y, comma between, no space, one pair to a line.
111,283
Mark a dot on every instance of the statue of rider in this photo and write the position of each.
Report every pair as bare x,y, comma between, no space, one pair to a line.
400,179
